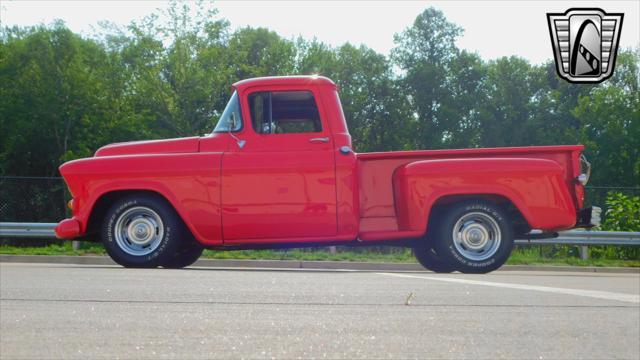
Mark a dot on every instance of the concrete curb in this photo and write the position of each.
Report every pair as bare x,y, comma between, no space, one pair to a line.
296,264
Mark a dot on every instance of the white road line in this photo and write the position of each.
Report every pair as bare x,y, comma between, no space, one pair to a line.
606,295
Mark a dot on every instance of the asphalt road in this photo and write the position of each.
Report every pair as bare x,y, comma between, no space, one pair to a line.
87,312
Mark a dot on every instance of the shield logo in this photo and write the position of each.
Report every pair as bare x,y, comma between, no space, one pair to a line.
585,43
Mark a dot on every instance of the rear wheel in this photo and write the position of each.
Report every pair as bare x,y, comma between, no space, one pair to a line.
424,250
142,230
474,237
427,257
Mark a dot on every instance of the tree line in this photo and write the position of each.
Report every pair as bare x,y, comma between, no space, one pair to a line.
63,95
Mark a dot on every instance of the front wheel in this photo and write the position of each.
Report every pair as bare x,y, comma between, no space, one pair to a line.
186,256
142,231
474,237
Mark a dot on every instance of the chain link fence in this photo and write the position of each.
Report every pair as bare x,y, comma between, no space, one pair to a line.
32,199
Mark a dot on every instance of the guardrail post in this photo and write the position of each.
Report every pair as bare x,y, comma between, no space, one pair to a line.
584,252
75,245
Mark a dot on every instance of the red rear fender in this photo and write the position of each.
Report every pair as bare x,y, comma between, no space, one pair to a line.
536,187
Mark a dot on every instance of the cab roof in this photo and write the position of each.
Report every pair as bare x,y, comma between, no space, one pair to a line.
285,80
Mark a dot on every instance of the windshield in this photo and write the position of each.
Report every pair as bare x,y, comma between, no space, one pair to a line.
231,120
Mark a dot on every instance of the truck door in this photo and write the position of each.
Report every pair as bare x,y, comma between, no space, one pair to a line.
279,181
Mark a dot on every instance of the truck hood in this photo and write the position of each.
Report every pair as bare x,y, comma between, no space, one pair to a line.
167,146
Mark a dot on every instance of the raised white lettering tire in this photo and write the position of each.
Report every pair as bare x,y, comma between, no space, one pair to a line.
425,253
474,236
142,230
427,257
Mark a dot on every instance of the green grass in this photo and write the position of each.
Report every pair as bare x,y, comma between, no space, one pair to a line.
523,256
531,256
396,255
64,248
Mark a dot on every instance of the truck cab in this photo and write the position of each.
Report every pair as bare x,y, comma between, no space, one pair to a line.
279,170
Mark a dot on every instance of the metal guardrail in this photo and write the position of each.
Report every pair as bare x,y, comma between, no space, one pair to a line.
585,238
573,237
16,229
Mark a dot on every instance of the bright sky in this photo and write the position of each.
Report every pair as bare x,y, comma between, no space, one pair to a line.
492,28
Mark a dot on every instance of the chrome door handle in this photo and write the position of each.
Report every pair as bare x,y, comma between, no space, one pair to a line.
320,139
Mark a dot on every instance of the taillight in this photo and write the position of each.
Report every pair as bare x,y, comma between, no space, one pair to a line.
585,170
582,179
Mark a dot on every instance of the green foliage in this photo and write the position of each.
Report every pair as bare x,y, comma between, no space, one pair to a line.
623,213
55,99
610,128
426,53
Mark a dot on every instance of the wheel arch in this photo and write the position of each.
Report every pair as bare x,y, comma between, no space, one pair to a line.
516,217
105,200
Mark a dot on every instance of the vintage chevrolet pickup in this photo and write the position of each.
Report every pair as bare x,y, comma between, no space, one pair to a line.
279,171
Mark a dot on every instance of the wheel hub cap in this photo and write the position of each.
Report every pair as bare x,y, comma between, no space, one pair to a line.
139,231
476,236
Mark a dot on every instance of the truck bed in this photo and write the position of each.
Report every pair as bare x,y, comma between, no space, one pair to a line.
376,198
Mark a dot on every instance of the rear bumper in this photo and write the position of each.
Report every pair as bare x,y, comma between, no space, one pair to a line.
589,217
67,229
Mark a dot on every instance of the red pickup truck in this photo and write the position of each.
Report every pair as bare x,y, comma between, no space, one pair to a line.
279,171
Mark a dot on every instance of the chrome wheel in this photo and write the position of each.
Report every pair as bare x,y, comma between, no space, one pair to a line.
139,231
476,236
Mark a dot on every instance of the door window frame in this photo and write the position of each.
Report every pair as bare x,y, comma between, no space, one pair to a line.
246,110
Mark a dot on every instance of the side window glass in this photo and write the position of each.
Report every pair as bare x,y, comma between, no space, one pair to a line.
231,119
284,112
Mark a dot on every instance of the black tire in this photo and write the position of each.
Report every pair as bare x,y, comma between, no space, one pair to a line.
427,257
483,240
155,219
184,257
